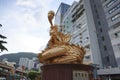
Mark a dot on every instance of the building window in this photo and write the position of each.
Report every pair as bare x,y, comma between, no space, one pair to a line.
96,11
87,37
80,41
115,17
107,59
78,26
117,34
88,46
114,8
110,3
87,57
105,0
80,37
105,47
103,38
94,5
99,23
100,29
97,16
115,26
119,46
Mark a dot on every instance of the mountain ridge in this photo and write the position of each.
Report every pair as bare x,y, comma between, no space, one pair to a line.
15,57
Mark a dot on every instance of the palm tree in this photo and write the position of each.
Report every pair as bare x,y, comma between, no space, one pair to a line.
2,47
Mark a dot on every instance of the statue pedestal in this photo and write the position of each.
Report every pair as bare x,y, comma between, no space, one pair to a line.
67,72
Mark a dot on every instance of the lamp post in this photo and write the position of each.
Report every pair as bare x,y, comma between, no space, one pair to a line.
95,71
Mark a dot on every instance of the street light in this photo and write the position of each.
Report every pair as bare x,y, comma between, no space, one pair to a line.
95,71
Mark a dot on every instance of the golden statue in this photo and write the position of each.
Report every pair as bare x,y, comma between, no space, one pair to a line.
59,50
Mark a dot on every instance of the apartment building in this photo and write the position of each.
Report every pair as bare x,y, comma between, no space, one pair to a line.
112,13
23,62
85,21
60,13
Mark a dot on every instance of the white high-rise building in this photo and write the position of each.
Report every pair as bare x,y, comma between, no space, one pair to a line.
30,64
23,62
78,29
85,21
112,12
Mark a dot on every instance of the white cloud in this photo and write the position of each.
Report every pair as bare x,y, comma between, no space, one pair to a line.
26,25
26,29
26,3
25,42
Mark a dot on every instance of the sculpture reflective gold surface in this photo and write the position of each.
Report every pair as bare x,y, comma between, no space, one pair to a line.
59,50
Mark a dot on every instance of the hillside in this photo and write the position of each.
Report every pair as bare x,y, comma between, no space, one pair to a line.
14,57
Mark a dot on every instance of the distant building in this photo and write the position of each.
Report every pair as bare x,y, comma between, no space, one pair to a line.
60,13
34,58
5,60
5,71
30,64
23,62
67,20
85,21
112,12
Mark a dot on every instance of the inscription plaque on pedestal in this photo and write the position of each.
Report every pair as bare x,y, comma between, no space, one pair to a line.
80,75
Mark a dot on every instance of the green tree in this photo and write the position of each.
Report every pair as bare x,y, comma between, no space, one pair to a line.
33,74
2,47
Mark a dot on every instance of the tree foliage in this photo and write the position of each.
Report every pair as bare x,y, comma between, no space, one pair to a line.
2,47
33,74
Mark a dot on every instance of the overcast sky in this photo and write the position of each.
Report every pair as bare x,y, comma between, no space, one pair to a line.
25,24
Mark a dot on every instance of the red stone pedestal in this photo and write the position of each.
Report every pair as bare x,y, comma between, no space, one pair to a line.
67,72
